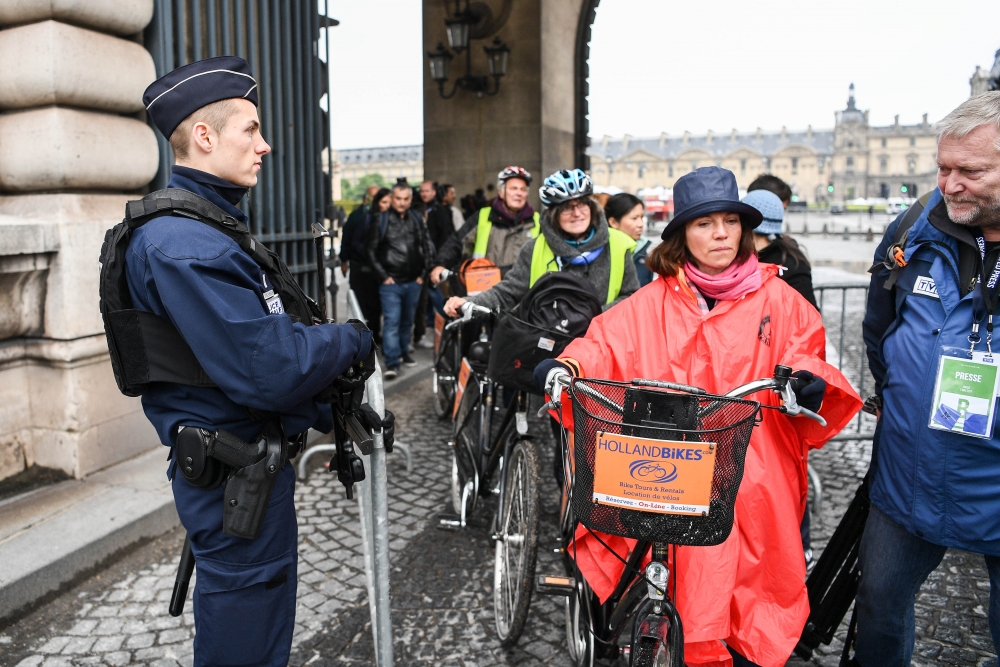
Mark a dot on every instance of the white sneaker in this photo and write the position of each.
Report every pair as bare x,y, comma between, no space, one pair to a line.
391,373
425,344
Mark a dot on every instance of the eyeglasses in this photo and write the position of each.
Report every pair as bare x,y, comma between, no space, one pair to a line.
578,205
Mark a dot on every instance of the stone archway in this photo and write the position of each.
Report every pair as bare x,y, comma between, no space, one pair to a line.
539,118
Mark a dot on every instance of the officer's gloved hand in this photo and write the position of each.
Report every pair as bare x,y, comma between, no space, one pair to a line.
542,376
376,423
809,389
366,351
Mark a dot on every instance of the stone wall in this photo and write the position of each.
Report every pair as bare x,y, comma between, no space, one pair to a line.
73,148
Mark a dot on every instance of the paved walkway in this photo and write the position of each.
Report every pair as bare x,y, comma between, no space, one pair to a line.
442,581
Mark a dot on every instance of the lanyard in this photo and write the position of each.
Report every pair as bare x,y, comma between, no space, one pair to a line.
990,296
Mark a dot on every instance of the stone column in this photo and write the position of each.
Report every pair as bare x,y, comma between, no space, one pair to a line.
531,123
73,149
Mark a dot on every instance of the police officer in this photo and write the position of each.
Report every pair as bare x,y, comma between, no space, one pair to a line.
265,368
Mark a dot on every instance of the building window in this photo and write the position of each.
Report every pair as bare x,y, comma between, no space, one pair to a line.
795,165
820,163
884,142
642,169
670,170
911,164
850,165
694,165
850,192
913,141
743,166
883,164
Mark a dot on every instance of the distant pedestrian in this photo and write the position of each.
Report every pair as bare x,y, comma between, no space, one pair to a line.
399,251
447,195
354,257
426,194
774,247
627,213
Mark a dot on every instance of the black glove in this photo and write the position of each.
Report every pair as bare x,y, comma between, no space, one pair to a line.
809,389
375,423
366,352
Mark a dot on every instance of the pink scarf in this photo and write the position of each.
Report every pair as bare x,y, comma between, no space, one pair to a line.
731,284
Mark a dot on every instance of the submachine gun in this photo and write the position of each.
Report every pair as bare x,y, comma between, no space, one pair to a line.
353,421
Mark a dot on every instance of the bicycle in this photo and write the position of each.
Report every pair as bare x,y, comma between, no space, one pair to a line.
639,620
503,464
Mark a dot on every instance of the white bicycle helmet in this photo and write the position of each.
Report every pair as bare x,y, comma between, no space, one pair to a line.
513,171
565,185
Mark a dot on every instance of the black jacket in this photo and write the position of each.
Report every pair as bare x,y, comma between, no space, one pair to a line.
440,224
403,251
797,274
352,241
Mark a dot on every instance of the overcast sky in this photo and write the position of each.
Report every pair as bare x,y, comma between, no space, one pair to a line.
661,66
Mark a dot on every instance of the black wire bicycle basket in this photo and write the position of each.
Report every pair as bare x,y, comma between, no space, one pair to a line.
693,424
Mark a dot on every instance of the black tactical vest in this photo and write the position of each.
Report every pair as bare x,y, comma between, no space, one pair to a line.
145,348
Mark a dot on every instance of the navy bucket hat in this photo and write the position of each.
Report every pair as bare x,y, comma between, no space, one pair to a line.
709,190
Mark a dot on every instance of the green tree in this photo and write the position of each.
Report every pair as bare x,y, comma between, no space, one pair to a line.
356,192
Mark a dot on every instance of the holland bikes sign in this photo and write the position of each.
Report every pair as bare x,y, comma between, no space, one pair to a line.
663,476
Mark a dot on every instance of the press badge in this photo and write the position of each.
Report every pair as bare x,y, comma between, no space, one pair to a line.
965,393
271,298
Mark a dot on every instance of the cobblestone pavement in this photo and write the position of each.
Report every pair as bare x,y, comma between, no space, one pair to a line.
442,581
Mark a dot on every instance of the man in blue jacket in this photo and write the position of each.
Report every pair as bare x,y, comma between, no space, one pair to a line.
935,484
264,366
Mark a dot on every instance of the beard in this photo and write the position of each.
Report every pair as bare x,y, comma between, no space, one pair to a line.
984,213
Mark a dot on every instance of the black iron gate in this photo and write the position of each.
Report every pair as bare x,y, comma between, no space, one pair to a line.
281,41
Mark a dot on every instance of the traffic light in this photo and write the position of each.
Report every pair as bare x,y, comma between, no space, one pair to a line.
903,189
829,188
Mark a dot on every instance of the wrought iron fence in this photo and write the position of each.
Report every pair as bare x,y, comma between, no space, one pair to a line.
843,309
281,41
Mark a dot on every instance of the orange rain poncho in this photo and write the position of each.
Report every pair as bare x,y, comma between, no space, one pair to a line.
750,590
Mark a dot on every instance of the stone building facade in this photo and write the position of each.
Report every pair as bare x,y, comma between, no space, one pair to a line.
391,162
73,148
856,158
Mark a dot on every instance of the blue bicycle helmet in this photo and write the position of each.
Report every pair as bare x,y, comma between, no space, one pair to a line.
565,185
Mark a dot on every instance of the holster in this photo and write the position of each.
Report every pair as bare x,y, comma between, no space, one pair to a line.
248,489
204,458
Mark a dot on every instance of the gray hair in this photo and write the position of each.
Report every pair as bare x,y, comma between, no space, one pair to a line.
972,113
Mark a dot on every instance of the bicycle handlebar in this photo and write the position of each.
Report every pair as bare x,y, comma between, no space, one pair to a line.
779,384
470,311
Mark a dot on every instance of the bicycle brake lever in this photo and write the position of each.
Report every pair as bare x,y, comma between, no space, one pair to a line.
551,405
793,409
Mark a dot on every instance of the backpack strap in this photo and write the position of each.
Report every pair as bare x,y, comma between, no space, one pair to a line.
895,253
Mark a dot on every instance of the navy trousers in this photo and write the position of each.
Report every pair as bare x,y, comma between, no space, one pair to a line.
244,596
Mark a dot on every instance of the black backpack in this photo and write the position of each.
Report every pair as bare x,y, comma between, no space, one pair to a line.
145,348
557,309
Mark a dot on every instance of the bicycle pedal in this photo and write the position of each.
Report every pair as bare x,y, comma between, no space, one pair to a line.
546,584
450,523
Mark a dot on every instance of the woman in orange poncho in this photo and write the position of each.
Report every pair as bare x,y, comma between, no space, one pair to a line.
718,319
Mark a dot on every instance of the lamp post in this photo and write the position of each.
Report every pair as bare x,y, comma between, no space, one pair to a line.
497,55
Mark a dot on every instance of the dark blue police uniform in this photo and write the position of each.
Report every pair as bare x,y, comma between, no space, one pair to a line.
220,301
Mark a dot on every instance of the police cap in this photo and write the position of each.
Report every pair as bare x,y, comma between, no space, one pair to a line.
175,96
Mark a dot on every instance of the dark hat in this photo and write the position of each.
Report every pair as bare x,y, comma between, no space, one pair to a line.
175,96
709,190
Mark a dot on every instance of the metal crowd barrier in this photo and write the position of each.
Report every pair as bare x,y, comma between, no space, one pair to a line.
373,507
842,306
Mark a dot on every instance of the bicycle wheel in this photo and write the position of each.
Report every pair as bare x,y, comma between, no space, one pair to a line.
580,625
464,469
651,652
516,543
445,377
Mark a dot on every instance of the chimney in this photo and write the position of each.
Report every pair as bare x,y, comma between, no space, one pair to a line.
759,135
896,123
687,138
733,136
604,143
708,138
625,142
925,119
663,139
809,132
866,117
784,133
